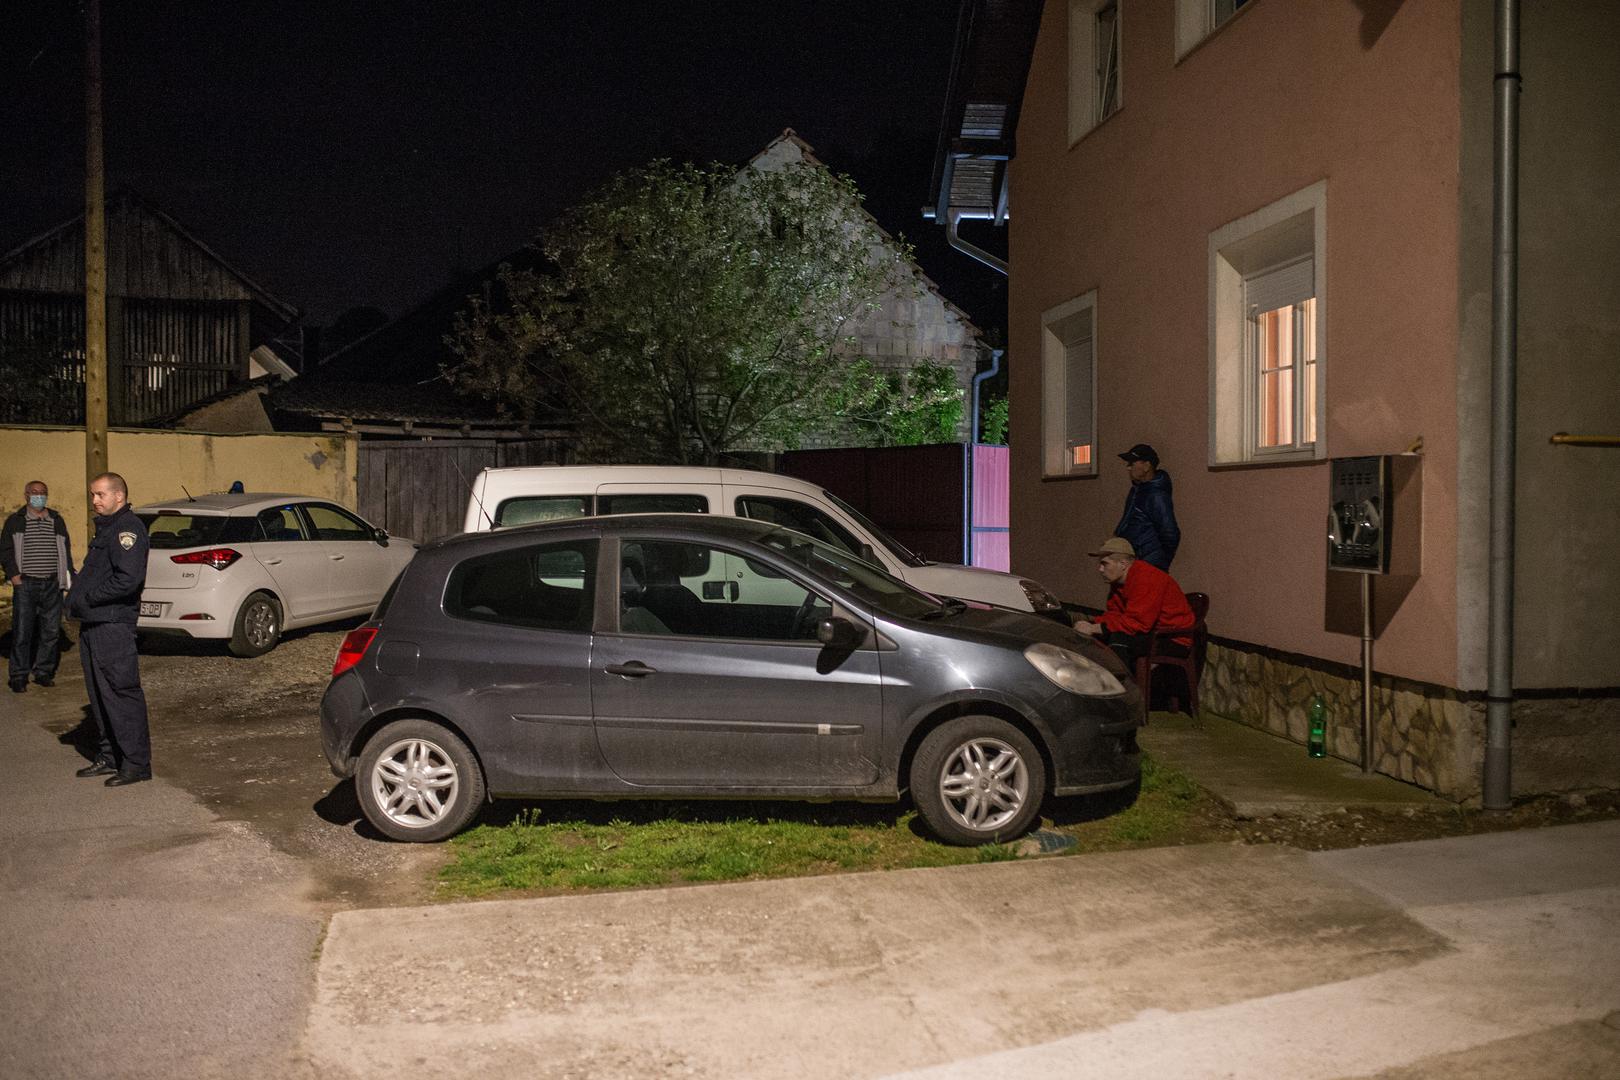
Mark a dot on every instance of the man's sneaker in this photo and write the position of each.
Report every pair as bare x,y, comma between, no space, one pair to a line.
128,777
98,767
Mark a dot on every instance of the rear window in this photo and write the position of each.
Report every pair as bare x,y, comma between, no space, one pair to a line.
651,504
171,529
528,509
544,586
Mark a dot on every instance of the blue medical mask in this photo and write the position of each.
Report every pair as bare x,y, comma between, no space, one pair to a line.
37,501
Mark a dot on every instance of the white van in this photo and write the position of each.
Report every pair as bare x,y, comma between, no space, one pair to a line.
527,494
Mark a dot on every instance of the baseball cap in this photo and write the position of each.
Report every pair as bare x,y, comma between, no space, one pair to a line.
1114,545
1141,452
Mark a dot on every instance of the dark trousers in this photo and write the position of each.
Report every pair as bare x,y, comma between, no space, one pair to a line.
36,627
1132,647
112,679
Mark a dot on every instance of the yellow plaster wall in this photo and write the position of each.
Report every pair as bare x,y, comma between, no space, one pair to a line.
158,464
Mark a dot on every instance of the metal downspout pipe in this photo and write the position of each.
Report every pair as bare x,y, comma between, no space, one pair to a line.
1498,787
954,216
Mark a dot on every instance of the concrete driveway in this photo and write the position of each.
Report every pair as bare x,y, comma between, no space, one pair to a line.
1219,961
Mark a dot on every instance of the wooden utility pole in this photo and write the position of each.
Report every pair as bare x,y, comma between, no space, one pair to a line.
95,258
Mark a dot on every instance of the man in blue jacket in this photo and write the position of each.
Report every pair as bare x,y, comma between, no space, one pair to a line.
1149,521
106,599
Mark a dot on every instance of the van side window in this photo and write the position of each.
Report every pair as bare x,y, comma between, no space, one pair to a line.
543,586
527,509
651,504
798,516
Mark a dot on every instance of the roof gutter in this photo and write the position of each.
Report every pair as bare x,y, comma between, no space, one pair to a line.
955,215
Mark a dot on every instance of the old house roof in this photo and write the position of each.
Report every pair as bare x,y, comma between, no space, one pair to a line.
789,137
150,255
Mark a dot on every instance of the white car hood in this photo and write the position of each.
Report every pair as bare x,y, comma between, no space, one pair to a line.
970,583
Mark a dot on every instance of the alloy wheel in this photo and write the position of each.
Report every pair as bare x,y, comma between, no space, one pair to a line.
414,783
984,783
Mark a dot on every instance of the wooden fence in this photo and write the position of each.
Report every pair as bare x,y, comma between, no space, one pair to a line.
420,489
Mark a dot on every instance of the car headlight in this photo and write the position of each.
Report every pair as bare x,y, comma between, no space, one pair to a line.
1039,599
1072,672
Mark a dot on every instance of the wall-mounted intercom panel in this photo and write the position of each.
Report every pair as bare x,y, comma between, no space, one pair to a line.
1375,514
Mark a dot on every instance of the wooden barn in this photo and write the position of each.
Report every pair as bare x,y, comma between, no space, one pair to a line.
182,323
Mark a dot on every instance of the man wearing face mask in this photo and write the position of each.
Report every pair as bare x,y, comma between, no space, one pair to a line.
37,557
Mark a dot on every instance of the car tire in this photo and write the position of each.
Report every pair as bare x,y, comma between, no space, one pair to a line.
977,780
418,782
258,626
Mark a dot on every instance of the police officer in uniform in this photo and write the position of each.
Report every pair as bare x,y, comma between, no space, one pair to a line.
106,599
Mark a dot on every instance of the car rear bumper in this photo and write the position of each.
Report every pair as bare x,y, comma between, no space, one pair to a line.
344,709
170,623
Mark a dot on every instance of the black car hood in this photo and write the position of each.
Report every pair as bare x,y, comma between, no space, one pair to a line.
1018,629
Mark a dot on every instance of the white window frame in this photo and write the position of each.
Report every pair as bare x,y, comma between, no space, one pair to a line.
1088,61
1197,19
1062,327
1288,233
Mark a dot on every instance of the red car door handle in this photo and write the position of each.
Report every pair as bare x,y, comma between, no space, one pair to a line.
635,669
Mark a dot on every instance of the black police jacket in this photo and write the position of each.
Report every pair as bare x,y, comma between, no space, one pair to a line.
108,588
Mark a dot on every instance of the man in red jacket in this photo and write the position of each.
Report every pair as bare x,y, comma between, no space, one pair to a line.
1142,599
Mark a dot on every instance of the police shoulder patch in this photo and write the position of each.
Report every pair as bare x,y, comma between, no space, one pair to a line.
127,539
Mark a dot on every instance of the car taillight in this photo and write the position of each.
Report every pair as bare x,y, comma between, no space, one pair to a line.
355,644
218,558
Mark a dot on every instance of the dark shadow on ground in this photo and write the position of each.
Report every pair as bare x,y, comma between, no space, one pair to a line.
170,644
697,811
82,737
1080,809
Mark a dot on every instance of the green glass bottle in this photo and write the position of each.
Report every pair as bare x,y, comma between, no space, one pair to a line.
1316,745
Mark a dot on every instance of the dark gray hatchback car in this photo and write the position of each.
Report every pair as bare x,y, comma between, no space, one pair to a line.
706,657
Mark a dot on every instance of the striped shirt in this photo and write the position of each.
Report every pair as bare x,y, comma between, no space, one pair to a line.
39,547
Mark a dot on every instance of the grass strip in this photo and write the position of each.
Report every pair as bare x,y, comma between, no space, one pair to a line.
559,846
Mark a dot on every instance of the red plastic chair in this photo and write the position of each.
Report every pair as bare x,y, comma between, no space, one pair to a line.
1163,651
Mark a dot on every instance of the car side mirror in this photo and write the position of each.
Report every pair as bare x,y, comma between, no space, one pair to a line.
381,536
839,633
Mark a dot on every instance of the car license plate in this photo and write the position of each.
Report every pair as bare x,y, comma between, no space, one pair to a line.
150,609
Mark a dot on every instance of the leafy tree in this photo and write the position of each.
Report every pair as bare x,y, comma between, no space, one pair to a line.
921,406
684,312
993,421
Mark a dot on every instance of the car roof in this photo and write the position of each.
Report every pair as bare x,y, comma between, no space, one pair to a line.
593,475
717,525
226,503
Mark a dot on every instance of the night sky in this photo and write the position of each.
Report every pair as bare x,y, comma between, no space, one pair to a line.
364,153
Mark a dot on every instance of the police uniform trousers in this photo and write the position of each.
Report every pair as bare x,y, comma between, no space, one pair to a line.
112,680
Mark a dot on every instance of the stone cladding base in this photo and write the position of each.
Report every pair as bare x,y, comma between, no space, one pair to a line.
1431,736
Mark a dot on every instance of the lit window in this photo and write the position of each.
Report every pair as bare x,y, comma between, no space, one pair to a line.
1266,320
1282,348
1068,388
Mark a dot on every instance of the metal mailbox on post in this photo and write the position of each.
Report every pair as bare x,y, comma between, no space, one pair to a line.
1375,526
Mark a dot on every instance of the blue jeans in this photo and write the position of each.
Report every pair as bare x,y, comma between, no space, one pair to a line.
36,625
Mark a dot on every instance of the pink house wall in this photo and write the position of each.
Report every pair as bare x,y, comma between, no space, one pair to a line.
1285,95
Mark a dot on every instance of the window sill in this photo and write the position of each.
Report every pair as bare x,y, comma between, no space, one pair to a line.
1059,477
1086,134
1272,461
1215,33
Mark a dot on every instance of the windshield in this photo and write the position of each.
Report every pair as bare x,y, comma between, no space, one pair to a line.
861,579
895,547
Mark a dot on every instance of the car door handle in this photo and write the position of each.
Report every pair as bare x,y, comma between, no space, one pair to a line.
335,558
271,562
635,669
